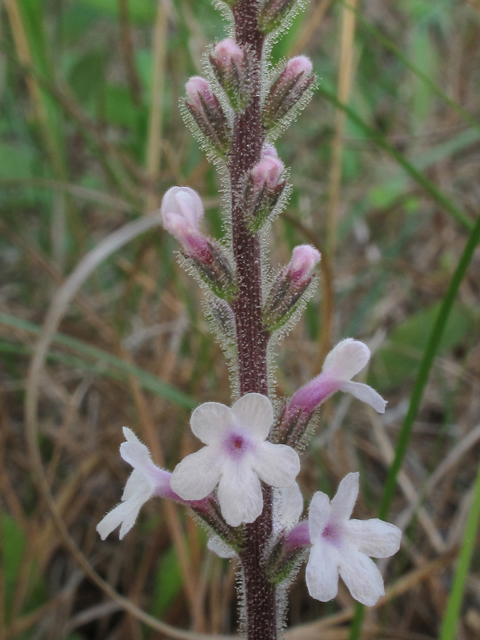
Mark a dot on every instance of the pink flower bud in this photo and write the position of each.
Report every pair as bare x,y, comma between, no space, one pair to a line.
289,91
267,172
227,52
197,88
304,259
269,150
182,211
296,66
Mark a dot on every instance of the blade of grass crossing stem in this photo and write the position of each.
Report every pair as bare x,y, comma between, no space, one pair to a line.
454,603
391,46
428,186
146,379
417,395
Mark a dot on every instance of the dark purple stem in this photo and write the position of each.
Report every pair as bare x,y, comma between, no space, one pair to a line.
252,339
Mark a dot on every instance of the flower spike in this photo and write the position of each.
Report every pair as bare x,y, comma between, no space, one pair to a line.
341,546
236,457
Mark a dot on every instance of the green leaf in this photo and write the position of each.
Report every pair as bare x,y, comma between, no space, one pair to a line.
399,360
167,584
87,74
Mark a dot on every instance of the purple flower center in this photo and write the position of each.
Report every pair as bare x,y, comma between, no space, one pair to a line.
331,534
236,445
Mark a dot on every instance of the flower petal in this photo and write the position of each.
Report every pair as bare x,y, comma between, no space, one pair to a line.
366,394
125,514
362,577
288,505
374,537
221,548
346,359
136,483
197,474
346,496
210,421
322,573
240,494
276,464
136,454
254,412
318,515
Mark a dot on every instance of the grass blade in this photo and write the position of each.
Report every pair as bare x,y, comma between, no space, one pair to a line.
121,368
417,394
454,603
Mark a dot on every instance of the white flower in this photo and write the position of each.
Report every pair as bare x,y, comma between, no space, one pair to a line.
236,458
287,509
342,546
145,481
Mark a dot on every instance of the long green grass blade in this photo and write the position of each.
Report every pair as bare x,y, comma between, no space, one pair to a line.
418,390
452,612
148,381
428,186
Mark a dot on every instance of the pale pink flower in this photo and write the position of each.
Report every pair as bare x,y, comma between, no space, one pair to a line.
340,366
146,481
236,457
341,546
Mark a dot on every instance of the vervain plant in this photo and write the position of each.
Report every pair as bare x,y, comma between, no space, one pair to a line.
241,484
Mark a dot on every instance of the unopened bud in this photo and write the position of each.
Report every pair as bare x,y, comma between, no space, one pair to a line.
266,174
304,260
232,70
207,113
273,13
289,287
182,211
263,189
289,91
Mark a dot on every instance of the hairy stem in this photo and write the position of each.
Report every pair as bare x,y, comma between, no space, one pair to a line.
252,339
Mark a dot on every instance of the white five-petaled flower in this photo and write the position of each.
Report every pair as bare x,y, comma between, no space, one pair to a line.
343,546
342,363
145,481
287,509
236,458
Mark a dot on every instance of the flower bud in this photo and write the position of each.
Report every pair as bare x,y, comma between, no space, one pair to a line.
289,287
266,174
207,113
289,91
182,211
304,260
232,70
273,13
263,189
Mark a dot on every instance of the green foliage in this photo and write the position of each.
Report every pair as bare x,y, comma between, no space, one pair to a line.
398,361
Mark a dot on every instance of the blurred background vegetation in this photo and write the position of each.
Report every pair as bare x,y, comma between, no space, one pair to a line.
91,137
